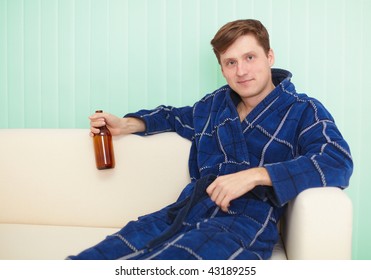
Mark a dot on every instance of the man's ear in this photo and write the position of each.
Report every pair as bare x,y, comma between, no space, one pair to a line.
270,57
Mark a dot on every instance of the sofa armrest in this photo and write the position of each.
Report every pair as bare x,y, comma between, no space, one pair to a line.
318,225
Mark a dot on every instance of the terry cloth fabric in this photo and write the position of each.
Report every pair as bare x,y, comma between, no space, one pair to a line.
180,210
292,135
247,231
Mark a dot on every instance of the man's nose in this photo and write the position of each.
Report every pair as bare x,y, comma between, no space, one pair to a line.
242,68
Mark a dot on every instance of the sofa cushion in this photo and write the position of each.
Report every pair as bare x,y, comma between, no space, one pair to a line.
51,178
41,242
38,242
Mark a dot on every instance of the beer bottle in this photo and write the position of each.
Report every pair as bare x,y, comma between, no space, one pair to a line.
103,148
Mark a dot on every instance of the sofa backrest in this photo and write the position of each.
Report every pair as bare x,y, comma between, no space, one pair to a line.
48,176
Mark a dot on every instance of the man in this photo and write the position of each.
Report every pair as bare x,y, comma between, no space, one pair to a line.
256,144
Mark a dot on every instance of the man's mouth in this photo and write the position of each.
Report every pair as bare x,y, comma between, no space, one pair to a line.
245,81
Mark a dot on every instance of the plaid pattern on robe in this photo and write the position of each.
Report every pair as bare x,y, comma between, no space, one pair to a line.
290,134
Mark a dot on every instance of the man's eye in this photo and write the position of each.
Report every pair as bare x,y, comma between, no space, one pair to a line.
231,63
250,57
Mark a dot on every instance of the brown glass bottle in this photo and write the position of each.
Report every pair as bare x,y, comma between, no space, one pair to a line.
103,148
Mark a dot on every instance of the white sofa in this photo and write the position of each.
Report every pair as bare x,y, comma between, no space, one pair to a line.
54,202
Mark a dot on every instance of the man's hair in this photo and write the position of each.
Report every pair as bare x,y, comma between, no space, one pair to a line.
231,31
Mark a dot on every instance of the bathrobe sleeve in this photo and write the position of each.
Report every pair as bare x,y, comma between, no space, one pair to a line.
167,119
323,157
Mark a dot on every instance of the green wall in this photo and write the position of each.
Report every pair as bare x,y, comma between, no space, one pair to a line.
61,60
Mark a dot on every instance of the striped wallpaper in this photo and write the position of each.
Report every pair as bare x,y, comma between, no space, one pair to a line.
62,59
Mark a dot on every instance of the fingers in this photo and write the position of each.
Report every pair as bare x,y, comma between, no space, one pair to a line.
219,195
229,187
93,131
96,120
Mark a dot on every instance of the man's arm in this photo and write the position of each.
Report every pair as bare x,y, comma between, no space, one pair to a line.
166,119
116,125
228,187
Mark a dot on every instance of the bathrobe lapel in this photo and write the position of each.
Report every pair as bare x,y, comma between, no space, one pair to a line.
230,138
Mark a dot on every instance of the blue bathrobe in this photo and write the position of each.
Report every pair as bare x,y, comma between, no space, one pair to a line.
290,134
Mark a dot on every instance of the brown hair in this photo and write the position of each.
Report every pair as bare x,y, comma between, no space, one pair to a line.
231,31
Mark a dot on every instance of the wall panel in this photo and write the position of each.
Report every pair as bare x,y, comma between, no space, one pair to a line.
62,59
15,62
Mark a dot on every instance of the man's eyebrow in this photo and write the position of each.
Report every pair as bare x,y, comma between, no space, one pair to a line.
233,58
227,59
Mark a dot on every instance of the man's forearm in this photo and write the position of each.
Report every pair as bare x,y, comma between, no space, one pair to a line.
132,125
262,177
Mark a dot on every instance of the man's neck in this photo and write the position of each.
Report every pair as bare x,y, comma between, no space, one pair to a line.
246,105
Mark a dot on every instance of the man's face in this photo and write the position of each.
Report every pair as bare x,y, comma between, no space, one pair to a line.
247,69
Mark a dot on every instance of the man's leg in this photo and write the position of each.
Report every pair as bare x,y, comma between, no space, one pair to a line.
210,239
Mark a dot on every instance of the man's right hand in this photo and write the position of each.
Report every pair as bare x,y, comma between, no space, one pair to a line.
116,125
